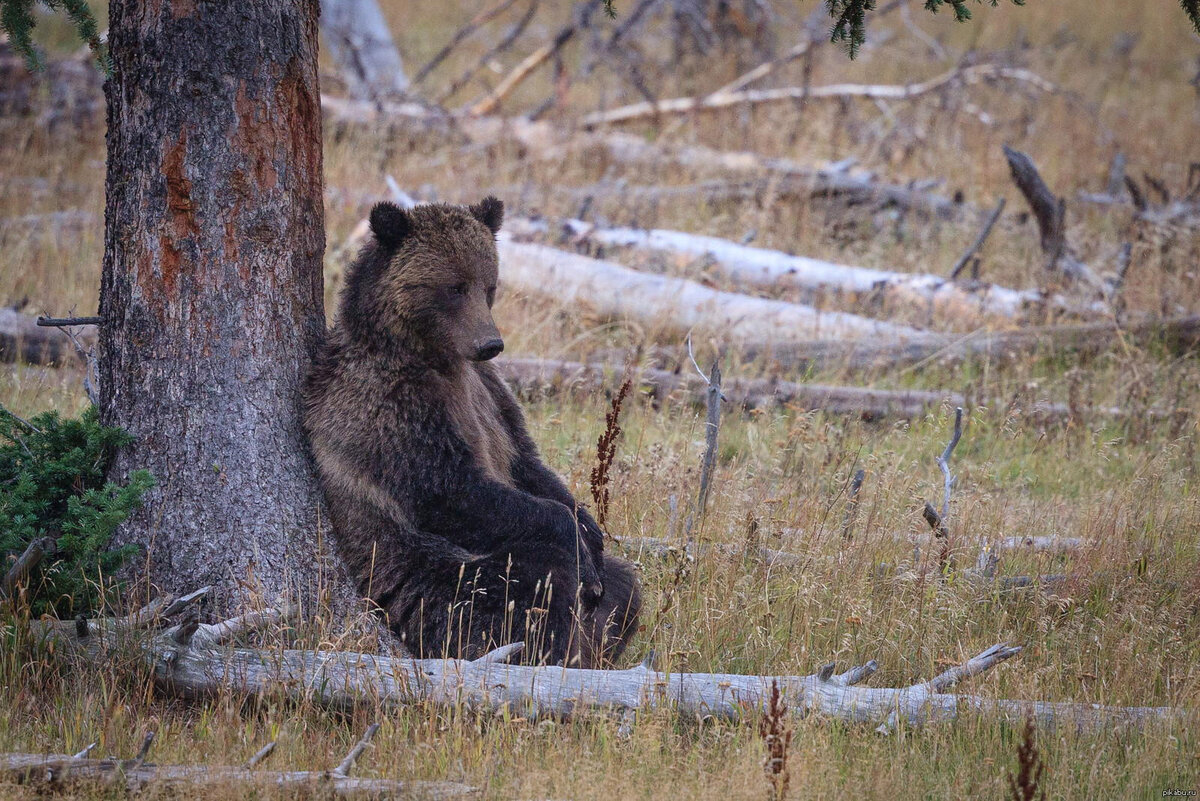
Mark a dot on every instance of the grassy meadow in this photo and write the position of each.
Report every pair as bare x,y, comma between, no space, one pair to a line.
1123,629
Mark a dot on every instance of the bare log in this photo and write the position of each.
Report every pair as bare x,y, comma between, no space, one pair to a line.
1179,335
720,100
772,269
345,680
617,292
532,376
57,771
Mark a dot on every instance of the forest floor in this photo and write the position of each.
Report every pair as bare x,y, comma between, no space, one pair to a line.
1124,629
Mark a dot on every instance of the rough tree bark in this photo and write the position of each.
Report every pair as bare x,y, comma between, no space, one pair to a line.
212,288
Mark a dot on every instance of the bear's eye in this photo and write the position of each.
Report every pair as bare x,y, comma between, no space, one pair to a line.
491,295
461,289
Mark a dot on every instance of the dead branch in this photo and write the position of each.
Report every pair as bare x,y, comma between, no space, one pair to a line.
531,62
1049,212
686,105
505,42
361,45
21,340
959,265
20,569
475,23
345,680
712,426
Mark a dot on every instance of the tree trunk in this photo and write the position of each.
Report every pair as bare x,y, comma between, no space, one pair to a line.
362,47
212,287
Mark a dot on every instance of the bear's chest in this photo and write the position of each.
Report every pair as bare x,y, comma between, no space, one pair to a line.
476,418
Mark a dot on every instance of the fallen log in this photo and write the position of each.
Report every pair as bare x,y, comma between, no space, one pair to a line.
616,292
532,376
58,772
1180,336
726,99
772,269
543,141
346,680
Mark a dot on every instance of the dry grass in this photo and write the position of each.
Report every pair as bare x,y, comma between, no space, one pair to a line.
1124,630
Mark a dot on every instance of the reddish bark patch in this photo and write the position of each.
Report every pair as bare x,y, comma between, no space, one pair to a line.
179,189
170,261
256,139
181,216
182,8
303,111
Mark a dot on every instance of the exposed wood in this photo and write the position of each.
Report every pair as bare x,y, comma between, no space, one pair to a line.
345,680
358,40
662,302
532,376
712,427
720,100
961,264
494,98
1180,336
30,558
60,771
505,42
482,18
745,266
1049,211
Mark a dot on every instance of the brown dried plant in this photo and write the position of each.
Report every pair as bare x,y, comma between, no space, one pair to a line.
606,451
1024,786
778,738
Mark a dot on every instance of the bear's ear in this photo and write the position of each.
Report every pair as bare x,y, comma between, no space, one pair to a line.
390,224
490,212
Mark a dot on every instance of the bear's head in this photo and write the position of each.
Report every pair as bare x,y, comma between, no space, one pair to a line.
429,282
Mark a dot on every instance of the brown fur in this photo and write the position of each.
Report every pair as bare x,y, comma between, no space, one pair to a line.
441,506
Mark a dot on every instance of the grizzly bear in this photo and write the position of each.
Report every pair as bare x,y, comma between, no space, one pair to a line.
441,507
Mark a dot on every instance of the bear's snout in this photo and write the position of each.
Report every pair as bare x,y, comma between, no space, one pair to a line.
488,349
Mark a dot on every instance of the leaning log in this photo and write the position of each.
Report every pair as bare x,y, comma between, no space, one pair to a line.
345,680
662,302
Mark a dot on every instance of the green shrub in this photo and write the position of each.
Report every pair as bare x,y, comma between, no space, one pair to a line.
52,484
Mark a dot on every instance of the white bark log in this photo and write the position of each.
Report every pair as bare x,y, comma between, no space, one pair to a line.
361,45
343,680
768,269
719,100
617,292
